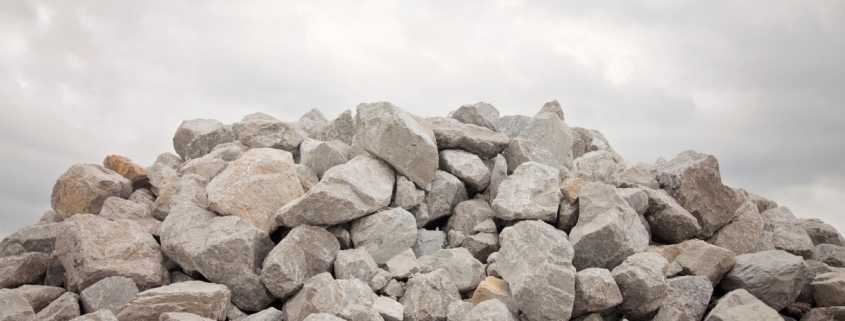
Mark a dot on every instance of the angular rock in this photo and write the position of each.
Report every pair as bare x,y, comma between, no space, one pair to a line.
181,316
595,291
693,179
638,199
39,296
355,264
608,229
479,114
394,289
385,234
825,314
111,293
491,288
545,139
775,277
821,232
601,166
512,125
407,195
204,299
143,196
118,209
644,289
830,254
15,307
458,310
429,241
349,191
320,155
211,164
66,307
490,310
102,315
445,192
305,252
687,299
322,317
197,137
536,261
638,175
23,269
269,314
261,130
183,233
130,252
669,222
740,305
452,134
254,186
35,238
469,214
322,294
403,265
185,190
341,128
389,309
306,177
428,296
124,166
84,187
786,232
464,270
829,289
396,137
700,258
468,167
498,172
744,234
313,123
531,192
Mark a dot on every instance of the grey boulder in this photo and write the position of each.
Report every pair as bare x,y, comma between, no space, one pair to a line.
595,291
83,188
313,123
320,155
207,300
830,254
601,166
445,192
546,139
39,296
532,192
305,252
15,307
821,232
464,269
479,114
829,289
181,316
407,195
269,314
669,221
686,300
110,294
198,137
323,294
23,269
102,315
466,166
740,305
261,130
490,310
644,288
66,307
453,134
117,209
775,277
356,264
428,296
786,232
341,128
699,258
385,234
744,234
429,241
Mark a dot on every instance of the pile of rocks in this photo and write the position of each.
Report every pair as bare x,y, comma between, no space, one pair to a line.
387,216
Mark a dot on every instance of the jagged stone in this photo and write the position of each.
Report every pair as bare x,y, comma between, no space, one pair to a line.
637,198
786,232
740,305
34,238
608,229
341,128
394,289
498,172
143,196
261,130
198,137
117,209
130,252
468,167
204,299
22,269
595,291
669,222
305,252
445,193
407,195
385,234
696,257
269,314
825,314
124,166
686,300
775,277
14,307
188,189
644,289
531,192
744,234
829,289
545,139
66,307
349,191
830,254
693,179
403,265
601,166
427,296
313,123
322,317
453,134
536,261
323,294
490,310
638,175
84,187
480,114
39,296
429,241
469,214
211,164
389,309
464,269
356,264
111,293
821,232
320,155
102,315
181,316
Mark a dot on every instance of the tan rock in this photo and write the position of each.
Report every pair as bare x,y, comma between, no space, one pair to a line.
124,166
491,288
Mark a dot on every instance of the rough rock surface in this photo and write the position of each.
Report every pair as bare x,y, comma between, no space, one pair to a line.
14,307
39,296
466,166
262,130
66,307
481,114
595,291
644,289
110,294
686,299
323,294
305,252
198,137
532,192
203,299
385,234
829,289
490,310
83,188
464,269
740,305
775,277
452,134
445,193
102,315
23,269
428,296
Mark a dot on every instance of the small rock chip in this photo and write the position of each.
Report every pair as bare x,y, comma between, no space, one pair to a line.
305,252
204,299
198,137
111,293
84,187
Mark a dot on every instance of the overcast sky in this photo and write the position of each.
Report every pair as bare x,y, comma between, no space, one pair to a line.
759,84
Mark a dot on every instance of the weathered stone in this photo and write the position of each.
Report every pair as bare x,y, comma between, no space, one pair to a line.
740,305
469,214
403,265
608,229
322,317
536,261
313,123
102,315
269,314
355,264
825,314
407,195
188,189
396,137
775,277
458,310
341,128
595,291
490,310
322,294
389,309
394,289
130,252
261,130
638,199
531,192
545,139
669,222
181,316
445,192
320,155
644,289
829,289
830,254
468,167
638,175
786,232
39,296
479,114
498,173
349,191
111,293
385,234
428,296
119,209
204,299
198,137
821,232
686,300
23,269
601,166
744,234
254,186
84,187
15,307
464,269
305,252
183,234
429,241
211,164
452,134
66,307
700,258
491,288
124,166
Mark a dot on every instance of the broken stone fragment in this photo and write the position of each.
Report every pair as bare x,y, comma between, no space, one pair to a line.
829,289
744,234
84,187
260,130
341,128
320,155
269,314
830,254
111,293
669,222
23,269
119,209
445,192
498,172
601,166
468,167
124,166
775,277
198,137
323,294
428,296
389,309
740,305
207,300
464,269
305,252
546,139
644,289
786,232
407,195
532,192
491,288
39,296
102,315
821,232
385,234
313,123
403,265
14,307
696,257
66,307
355,264
429,241
453,134
479,114
595,291
686,300
181,316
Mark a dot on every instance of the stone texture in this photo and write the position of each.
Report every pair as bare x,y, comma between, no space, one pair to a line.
181,316
305,252
744,234
601,166
313,123
740,305
34,238
693,179
429,241
786,232
458,310
595,291
686,300
204,299
403,265
320,155
322,317
84,187
269,314
608,229
385,234
830,254
407,195
124,166
480,114
498,172
64,308
490,310
669,222
102,315
428,296
445,193
829,289
464,269
341,128
198,137
546,139
700,258
531,192
397,138
119,209
261,130
22,269
466,166
638,175
346,192
130,252
187,189
254,186
111,293
14,307
491,288
825,314
453,134
644,289
211,164
775,277
322,294
821,232
356,264
389,309
39,296
536,261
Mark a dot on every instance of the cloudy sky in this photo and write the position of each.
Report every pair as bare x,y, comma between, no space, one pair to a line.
760,84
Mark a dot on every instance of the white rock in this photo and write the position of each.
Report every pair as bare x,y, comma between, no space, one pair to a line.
385,234
531,192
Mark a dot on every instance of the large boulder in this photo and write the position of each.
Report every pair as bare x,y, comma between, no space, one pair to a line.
396,137
699,258
198,137
546,139
39,296
254,186
83,188
119,209
532,192
490,310
407,195
23,269
261,130
34,238
466,166
786,232
428,296
207,300
14,307
693,179
313,123
608,229
480,114
686,300
464,269
130,252
601,166
341,128
740,305
349,191
830,254
644,289
588,140
214,162
356,264
305,252
452,134
775,277
536,261
385,234
323,294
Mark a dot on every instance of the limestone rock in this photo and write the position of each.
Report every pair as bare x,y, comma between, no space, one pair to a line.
211,164
428,296
490,310
469,214
203,299
546,139
479,114
775,277
669,221
512,125
686,300
102,315
307,177
313,123
638,175
468,167
305,252
349,191
595,291
186,190
320,155
403,265
464,269
322,317
429,241
15,307
830,254
385,234
446,191
183,234
261,130
322,294
39,296
23,269
389,309
84,187
744,234
644,289
531,192
181,316
821,232
341,128
740,305
269,314
111,293
453,134
407,195
66,307
700,258
130,252
118,209
254,186
601,166
396,137
458,310
355,264
786,232
124,166
198,137
34,238
829,289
